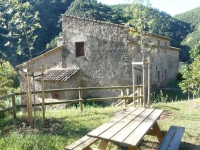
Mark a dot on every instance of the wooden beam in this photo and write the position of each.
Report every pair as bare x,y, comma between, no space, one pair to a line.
6,96
133,76
7,109
43,104
149,84
103,144
81,98
14,108
32,70
83,88
158,132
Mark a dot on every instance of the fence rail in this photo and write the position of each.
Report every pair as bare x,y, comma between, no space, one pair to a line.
80,100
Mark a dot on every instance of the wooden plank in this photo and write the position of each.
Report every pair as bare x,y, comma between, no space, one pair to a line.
119,116
120,125
125,132
32,70
86,144
7,109
6,96
175,143
137,63
136,136
168,137
77,143
103,144
157,131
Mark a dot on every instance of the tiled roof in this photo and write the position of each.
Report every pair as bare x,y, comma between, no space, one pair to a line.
58,74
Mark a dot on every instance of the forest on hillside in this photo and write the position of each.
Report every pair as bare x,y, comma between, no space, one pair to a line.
50,20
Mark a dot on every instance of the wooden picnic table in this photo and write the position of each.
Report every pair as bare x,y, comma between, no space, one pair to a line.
128,127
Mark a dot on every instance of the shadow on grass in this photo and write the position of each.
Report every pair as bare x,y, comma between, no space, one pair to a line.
166,108
188,146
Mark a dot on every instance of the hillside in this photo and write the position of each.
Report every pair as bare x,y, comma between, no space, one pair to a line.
50,14
191,17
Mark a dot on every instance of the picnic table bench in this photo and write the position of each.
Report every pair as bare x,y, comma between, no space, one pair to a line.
128,127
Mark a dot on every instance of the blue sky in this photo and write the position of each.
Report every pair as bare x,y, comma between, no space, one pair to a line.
171,7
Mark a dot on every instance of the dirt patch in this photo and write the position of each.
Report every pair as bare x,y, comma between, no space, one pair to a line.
165,115
193,104
52,126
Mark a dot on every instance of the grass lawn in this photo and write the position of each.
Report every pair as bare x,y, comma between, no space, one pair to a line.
66,126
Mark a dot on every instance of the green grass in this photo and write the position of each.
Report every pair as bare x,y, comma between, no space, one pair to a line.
66,126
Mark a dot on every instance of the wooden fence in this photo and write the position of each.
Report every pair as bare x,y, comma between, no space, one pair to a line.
80,100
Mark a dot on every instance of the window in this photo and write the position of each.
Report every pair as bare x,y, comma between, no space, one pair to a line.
79,49
55,95
158,46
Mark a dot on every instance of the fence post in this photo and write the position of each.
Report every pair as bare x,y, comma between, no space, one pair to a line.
149,82
81,98
14,106
138,94
125,102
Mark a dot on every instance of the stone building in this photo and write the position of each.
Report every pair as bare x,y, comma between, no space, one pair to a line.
101,54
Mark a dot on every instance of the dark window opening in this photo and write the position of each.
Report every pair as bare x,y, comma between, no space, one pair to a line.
158,76
79,49
165,47
55,95
158,46
139,80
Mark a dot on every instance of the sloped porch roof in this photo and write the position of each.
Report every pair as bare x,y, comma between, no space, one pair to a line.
62,74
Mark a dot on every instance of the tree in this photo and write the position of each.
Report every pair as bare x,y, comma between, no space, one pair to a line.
137,13
191,73
22,24
7,77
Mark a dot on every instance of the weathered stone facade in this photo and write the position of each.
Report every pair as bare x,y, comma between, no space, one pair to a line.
104,53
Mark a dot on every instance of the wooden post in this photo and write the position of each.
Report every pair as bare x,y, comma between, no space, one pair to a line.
138,94
14,107
27,96
133,72
188,92
30,102
43,105
144,92
125,102
81,98
149,82
141,101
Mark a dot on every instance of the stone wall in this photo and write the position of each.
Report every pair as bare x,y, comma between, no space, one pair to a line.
109,51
